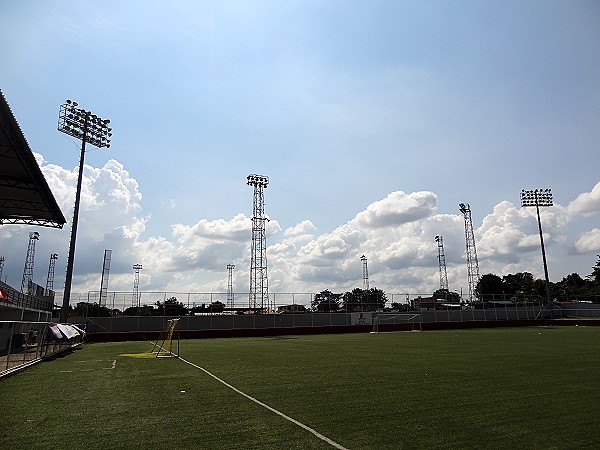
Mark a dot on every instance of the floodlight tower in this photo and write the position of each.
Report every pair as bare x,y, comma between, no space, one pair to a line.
442,263
363,258
472,264
259,285
135,299
50,279
230,268
29,259
87,127
537,198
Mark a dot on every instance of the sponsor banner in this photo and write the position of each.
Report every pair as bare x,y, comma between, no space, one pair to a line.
362,318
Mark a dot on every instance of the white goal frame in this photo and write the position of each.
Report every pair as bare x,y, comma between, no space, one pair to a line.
397,319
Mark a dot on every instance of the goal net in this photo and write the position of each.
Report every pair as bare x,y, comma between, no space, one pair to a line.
396,322
163,347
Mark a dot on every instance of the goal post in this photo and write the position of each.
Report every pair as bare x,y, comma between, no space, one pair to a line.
396,322
163,347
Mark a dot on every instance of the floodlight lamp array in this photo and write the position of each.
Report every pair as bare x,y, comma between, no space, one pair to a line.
464,208
82,124
536,197
257,180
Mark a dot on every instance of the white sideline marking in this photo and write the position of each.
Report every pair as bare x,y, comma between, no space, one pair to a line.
264,405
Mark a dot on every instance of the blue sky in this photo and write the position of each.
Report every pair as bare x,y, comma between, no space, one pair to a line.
373,120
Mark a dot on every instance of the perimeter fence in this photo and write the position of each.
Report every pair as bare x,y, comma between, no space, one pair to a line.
230,322
119,302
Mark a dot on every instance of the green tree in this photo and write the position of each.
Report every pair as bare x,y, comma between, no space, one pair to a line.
171,307
326,301
489,286
145,310
594,277
521,285
86,309
364,300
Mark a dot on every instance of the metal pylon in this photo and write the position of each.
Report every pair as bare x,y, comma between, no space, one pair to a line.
259,285
29,259
442,263
363,258
230,301
50,279
472,264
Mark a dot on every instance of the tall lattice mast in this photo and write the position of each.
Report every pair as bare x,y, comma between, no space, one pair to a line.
135,299
472,264
28,269
442,263
230,302
363,258
104,279
1,266
50,279
259,286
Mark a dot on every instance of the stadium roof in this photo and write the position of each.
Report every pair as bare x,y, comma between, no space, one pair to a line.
25,197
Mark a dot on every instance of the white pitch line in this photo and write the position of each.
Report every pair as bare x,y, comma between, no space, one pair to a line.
114,363
264,405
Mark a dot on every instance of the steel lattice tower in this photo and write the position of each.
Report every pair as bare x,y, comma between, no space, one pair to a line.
472,264
28,269
259,285
442,263
135,299
104,279
363,258
50,279
230,268
1,266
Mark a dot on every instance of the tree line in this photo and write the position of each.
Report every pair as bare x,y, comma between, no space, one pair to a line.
522,286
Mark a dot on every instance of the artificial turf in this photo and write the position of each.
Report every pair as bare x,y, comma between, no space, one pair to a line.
534,387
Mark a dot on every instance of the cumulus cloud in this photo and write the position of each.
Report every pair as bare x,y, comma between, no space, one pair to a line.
587,203
508,232
588,242
398,208
303,228
395,233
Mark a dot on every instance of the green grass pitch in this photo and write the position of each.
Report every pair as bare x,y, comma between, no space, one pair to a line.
536,387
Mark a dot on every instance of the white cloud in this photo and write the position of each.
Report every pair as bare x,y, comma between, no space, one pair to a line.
398,208
303,228
587,203
395,233
588,242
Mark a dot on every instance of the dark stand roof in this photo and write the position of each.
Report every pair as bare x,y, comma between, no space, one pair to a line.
25,197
